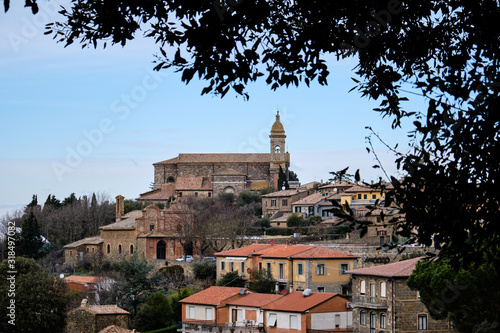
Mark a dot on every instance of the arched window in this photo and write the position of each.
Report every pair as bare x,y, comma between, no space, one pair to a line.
277,149
362,318
161,250
382,321
229,189
170,180
119,249
131,249
422,322
108,249
383,289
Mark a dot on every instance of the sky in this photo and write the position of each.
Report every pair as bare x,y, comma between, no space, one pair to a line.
92,120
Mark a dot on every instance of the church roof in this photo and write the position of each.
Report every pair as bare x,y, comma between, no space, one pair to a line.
127,223
193,183
219,158
86,241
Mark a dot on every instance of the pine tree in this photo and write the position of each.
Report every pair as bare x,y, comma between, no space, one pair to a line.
29,243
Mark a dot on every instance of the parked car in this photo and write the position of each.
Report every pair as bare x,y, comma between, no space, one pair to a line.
189,258
209,259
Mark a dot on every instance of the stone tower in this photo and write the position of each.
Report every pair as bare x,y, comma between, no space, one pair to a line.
278,155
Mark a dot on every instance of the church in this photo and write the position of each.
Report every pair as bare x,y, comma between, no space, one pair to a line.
205,175
153,232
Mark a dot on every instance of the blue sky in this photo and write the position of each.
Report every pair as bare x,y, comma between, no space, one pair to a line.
85,120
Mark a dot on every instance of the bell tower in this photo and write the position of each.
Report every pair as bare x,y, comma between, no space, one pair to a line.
279,157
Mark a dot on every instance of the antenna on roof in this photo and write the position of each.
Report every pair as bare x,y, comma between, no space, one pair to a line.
241,291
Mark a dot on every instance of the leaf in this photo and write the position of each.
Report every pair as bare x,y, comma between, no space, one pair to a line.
6,5
357,176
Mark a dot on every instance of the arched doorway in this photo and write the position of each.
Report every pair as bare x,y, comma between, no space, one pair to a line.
161,250
229,189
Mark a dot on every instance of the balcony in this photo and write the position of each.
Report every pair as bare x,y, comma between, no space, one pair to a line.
333,330
367,302
205,326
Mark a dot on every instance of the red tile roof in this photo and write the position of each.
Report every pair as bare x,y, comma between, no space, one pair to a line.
213,295
218,158
84,279
296,302
105,309
127,224
243,251
161,194
310,199
193,183
321,252
255,300
284,251
398,269
284,193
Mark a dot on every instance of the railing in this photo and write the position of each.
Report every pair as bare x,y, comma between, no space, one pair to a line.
333,330
205,326
369,302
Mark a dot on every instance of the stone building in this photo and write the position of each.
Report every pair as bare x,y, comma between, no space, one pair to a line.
94,318
152,232
382,302
209,174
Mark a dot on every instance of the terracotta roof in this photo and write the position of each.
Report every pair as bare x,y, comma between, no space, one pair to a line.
116,329
397,269
243,251
296,302
85,279
128,223
283,193
160,194
343,184
360,188
212,295
219,158
255,300
86,241
105,309
321,252
311,199
192,183
283,250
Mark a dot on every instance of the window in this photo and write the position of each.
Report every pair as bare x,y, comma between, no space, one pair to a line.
93,249
284,202
362,287
365,196
119,249
273,203
191,312
337,321
277,149
108,249
272,320
320,269
321,289
422,322
383,289
179,195
372,292
208,314
131,249
260,266
374,196
344,268
209,194
382,321
281,271
195,194
268,268
300,269
372,322
359,196
222,265
293,322
71,252
231,266
88,250
152,227
242,268
362,319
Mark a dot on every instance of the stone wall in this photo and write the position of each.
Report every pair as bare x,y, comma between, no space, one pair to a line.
115,238
83,320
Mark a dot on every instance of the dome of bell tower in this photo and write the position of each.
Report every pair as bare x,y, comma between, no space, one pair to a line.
277,128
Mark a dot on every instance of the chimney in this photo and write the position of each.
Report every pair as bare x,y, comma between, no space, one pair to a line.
84,303
119,207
